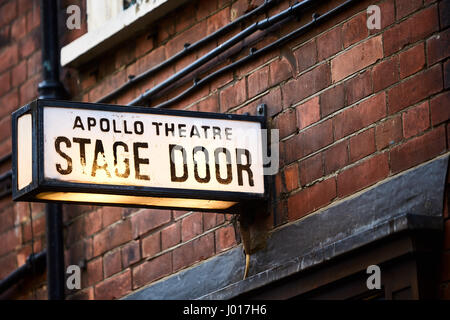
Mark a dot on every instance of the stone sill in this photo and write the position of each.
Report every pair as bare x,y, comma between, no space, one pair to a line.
134,19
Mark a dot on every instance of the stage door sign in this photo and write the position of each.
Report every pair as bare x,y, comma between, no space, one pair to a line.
135,156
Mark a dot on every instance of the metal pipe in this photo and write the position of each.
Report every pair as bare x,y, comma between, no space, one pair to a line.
188,49
52,88
35,264
260,25
256,53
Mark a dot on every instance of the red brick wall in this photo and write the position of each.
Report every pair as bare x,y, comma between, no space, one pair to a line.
353,106
20,73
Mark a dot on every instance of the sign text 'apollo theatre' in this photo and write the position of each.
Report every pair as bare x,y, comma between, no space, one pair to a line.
105,154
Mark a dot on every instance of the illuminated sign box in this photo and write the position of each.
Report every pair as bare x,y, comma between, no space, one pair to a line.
76,152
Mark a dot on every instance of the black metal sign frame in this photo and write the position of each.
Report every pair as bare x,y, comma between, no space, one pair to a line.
41,184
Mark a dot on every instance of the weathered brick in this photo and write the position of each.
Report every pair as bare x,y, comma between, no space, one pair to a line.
412,60
357,58
411,30
418,150
79,251
93,273
170,236
144,44
126,54
210,104
193,251
216,21
306,55
130,253
33,18
7,219
385,74
363,175
151,245
279,185
358,87
225,238
75,230
152,270
114,287
233,95
406,7
416,120
176,44
112,263
362,145
209,220
191,226
8,264
306,85
387,9
111,215
360,116
8,12
291,177
444,9
311,169
10,240
92,222
280,70
9,56
445,266
438,47
28,90
19,28
335,157
9,102
272,100
5,80
84,294
238,9
316,137
388,132
30,44
112,237
329,43
312,198
308,113
185,18
332,100
258,81
148,219
415,89
355,30
440,108
151,59
19,74
286,122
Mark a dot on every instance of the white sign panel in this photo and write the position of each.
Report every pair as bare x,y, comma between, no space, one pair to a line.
152,150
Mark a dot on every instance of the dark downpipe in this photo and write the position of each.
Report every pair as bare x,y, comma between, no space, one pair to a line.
35,264
52,88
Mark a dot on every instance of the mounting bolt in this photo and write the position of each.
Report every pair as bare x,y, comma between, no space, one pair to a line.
261,109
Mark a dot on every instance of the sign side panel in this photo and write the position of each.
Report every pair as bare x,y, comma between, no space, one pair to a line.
24,151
